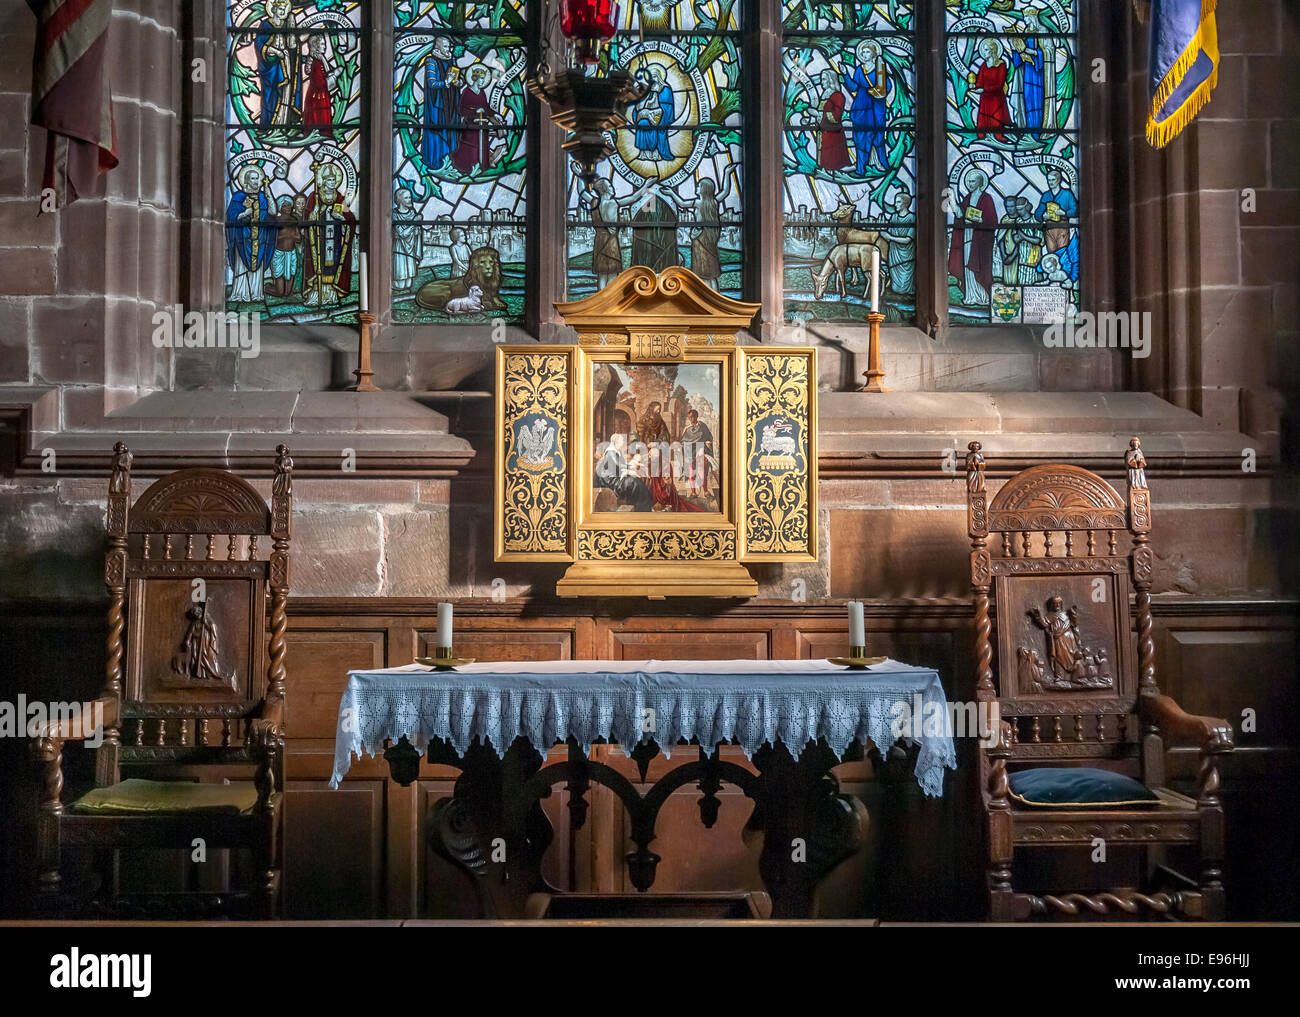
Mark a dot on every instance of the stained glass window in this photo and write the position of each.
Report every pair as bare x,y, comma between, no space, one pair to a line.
293,137
671,193
1012,198
849,156
459,158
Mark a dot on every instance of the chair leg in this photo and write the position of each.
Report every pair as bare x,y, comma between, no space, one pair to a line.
1214,904
49,887
1214,908
269,864
49,879
269,909
1001,896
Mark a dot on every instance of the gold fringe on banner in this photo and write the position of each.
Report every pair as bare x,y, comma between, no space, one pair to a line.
1160,133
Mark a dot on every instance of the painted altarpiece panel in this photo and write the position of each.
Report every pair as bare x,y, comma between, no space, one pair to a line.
656,455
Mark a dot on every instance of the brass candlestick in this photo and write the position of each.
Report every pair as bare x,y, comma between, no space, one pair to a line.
442,660
875,374
857,660
363,372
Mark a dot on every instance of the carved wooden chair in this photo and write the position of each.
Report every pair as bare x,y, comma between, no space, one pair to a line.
1079,746
194,687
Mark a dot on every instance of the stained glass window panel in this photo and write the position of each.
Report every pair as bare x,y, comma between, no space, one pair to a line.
499,15
459,157
293,159
892,16
849,159
1034,17
672,192
1012,198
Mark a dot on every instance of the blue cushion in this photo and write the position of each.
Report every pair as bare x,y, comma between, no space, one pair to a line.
1078,787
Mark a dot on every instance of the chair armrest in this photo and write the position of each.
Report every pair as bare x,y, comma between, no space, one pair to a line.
995,791
266,727
1212,734
82,727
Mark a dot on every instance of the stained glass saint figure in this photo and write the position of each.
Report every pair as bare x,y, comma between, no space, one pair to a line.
318,81
408,240
654,116
832,148
869,113
285,277
606,254
1020,248
250,239
989,77
901,259
970,253
332,230
439,103
277,63
1057,203
474,147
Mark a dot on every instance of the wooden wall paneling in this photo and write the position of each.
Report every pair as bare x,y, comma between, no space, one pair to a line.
601,870
1218,667
444,890
1216,656
47,654
318,657
695,858
334,849
677,638
515,640
402,850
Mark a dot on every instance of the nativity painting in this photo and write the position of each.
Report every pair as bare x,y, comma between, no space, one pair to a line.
656,432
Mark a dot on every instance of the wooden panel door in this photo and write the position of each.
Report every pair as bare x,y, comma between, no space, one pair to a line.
334,850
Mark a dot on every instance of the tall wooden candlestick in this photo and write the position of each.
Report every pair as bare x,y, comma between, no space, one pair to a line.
363,372
875,374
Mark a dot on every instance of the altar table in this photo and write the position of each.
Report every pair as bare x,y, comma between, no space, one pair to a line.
794,720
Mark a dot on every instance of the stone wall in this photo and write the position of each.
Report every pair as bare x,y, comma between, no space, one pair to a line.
80,286
1215,226
1170,235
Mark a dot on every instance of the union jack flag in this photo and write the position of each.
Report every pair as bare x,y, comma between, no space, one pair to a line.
71,97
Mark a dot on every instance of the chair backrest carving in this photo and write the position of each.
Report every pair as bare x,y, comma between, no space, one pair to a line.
1056,555
190,568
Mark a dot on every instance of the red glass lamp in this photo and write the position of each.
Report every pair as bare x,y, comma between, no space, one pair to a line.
587,19
586,23
587,97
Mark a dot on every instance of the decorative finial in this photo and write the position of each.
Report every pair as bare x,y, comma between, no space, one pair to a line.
120,481
282,484
1136,463
975,468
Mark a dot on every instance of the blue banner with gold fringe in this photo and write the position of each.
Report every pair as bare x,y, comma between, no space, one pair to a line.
1184,65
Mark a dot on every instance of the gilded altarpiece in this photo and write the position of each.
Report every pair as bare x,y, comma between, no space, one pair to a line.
532,489
656,454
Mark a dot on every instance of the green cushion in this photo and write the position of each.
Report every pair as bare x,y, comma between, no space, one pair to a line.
136,797
1078,787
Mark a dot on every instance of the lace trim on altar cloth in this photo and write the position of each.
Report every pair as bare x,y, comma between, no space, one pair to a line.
750,709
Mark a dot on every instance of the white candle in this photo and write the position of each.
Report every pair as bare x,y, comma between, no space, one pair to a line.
857,627
444,626
365,285
875,279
